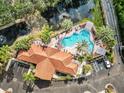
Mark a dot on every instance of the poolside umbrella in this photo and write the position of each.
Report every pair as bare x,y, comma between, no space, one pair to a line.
48,61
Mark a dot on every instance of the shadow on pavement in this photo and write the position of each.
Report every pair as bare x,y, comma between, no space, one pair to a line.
2,76
42,83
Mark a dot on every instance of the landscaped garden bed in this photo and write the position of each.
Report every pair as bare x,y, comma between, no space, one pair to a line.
109,88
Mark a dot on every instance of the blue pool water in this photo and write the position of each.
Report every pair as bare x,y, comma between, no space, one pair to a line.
78,38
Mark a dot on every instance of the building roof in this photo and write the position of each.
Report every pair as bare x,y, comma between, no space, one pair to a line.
45,69
48,60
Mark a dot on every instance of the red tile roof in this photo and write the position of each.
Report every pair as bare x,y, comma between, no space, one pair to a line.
48,61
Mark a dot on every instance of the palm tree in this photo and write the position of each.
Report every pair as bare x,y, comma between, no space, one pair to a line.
66,24
29,78
81,58
23,43
88,57
82,47
79,47
106,34
45,34
5,53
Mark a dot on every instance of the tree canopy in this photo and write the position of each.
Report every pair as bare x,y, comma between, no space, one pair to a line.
29,77
106,34
5,53
11,10
9,13
119,7
66,24
45,34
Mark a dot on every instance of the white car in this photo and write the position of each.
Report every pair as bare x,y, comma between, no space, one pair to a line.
108,64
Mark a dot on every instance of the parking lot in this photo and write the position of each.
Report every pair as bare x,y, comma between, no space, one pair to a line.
98,65
17,69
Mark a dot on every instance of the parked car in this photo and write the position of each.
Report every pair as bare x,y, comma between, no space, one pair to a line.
107,64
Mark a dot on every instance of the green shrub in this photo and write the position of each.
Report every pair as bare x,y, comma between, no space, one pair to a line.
85,20
106,34
66,24
9,13
5,53
119,7
43,5
45,34
23,43
88,57
87,68
29,77
109,90
21,9
68,77
97,14
80,58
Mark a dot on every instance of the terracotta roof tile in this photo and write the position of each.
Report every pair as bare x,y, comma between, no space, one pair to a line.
48,60
45,70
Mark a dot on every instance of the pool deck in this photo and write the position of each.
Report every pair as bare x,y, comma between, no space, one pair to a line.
55,42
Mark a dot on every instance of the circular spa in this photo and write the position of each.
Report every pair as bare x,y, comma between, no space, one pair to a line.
78,37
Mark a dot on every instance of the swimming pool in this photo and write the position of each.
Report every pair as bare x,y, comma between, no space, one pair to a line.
84,34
